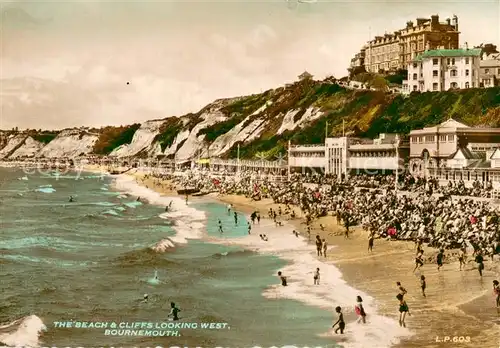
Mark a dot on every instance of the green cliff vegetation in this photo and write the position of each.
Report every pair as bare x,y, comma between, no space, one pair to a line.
43,137
366,113
112,137
168,131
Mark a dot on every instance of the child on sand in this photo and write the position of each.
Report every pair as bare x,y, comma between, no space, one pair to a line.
423,284
360,311
403,309
340,321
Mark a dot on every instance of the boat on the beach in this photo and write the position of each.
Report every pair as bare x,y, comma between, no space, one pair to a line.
188,191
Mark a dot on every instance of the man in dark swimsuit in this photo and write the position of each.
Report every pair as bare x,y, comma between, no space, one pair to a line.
319,245
283,279
480,264
235,218
370,243
174,312
439,258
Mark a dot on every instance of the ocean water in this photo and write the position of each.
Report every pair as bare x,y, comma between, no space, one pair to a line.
92,260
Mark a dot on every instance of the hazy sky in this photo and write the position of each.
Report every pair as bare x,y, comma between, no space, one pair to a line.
67,63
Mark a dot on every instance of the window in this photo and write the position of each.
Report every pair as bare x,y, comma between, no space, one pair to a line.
451,137
467,72
429,138
453,73
420,139
466,60
414,76
453,85
435,73
486,71
435,86
452,61
467,85
414,88
448,61
442,138
435,61
498,71
415,65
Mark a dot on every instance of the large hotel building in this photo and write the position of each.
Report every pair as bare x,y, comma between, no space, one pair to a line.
394,51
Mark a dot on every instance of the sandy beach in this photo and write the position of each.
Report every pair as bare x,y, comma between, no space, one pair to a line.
459,304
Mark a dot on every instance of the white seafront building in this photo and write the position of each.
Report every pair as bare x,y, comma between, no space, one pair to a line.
442,70
344,156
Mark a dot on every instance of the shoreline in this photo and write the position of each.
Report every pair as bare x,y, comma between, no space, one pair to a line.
458,303
463,292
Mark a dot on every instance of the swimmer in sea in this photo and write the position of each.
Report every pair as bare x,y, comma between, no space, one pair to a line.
145,298
220,227
340,321
249,228
283,278
138,199
235,218
174,311
316,277
71,199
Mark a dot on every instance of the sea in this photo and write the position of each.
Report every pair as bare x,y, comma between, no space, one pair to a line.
74,274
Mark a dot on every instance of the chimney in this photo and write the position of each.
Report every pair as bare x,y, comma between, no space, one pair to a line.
466,46
455,22
409,24
448,21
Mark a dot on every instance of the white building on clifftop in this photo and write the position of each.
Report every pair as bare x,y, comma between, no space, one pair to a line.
442,70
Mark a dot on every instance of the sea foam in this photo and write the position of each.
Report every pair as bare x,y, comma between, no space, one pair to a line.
189,222
22,332
378,332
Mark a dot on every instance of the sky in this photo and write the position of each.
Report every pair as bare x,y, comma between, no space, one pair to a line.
67,63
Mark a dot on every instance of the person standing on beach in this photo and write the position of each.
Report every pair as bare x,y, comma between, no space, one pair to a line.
319,246
480,264
316,277
325,247
370,242
229,209
461,258
496,291
258,218
419,262
220,227
423,284
282,278
402,290
439,258
235,218
346,225
187,198
249,228
360,311
403,309
340,321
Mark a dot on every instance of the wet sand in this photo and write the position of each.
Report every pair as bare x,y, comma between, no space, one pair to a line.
459,305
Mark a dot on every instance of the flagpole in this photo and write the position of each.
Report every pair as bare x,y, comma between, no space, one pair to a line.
238,158
289,152
326,131
397,166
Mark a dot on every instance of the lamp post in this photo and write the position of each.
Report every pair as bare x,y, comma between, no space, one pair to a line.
397,165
